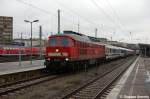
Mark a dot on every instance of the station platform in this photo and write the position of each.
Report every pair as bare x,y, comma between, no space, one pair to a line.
13,67
135,82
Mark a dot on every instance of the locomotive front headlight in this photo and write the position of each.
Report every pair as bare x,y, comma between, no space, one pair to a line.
57,50
66,59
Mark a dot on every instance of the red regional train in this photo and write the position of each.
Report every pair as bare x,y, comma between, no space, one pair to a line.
15,50
65,51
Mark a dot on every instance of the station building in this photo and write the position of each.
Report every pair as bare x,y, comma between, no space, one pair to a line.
6,30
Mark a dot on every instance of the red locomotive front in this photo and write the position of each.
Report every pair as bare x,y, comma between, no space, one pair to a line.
59,49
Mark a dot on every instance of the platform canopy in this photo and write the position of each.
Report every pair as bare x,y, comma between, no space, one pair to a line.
145,49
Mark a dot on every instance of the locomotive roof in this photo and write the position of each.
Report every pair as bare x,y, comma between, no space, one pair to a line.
81,38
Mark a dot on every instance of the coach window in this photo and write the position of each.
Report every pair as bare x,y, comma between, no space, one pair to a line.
64,41
52,41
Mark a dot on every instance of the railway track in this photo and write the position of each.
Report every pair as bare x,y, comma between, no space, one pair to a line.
11,88
95,88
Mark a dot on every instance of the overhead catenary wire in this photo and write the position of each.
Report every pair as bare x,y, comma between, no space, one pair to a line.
116,15
118,18
42,10
35,7
74,12
83,18
107,15
45,11
103,11
71,10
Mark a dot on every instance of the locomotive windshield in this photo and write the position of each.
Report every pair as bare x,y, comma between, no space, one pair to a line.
59,41
52,41
63,41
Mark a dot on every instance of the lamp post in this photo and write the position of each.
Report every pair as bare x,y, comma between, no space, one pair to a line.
20,52
31,22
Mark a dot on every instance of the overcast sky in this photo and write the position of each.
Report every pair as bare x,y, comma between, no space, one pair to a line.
113,18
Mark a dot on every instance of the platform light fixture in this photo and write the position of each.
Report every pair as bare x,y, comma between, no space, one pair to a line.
31,22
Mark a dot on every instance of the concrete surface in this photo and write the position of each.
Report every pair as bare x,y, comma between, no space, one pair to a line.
11,67
135,83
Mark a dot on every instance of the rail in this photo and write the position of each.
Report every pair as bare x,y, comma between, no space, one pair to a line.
94,88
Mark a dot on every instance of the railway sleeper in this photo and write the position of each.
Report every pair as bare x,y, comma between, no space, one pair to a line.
82,96
87,91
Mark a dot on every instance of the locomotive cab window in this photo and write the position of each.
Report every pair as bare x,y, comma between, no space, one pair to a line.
52,41
64,41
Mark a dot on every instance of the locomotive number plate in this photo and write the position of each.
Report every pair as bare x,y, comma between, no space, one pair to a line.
54,54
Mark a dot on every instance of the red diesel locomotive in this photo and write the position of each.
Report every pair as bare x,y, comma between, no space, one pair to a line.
71,48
